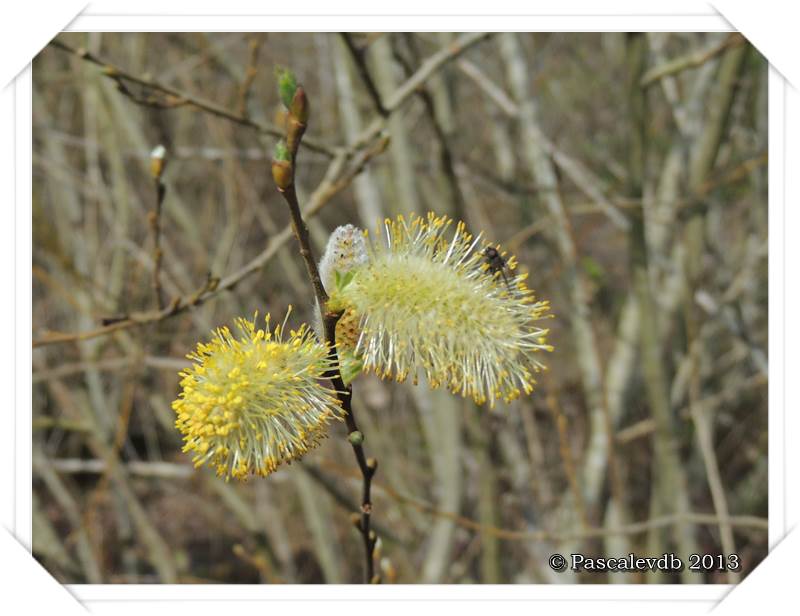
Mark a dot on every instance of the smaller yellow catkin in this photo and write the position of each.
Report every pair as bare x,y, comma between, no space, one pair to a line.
252,402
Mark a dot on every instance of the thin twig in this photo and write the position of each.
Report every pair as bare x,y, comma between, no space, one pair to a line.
330,486
300,230
344,167
565,451
154,219
703,429
170,470
424,72
491,89
706,519
176,98
446,158
333,184
254,47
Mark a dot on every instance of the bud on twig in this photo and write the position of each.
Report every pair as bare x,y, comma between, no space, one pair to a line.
355,438
299,105
287,85
295,101
282,171
294,133
158,161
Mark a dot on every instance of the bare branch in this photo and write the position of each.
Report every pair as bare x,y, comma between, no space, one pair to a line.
177,97
690,60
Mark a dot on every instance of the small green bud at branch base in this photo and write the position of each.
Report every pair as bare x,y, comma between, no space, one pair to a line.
282,152
355,438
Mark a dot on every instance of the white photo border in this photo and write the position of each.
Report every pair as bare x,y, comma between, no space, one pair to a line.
103,594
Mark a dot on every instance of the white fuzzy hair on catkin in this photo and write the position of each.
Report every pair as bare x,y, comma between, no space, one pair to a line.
346,250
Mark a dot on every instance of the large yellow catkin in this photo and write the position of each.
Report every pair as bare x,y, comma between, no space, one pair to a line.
428,303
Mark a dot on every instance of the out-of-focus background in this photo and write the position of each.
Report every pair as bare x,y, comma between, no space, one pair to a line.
626,171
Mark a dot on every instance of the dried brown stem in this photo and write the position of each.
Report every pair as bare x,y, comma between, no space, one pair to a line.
154,219
565,451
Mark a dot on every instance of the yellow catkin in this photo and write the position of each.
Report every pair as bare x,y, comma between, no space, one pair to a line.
251,403
428,302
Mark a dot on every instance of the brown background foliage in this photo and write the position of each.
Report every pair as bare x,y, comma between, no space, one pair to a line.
640,211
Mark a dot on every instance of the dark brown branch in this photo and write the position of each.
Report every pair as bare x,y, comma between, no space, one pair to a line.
429,67
154,218
301,233
294,135
446,158
367,466
359,58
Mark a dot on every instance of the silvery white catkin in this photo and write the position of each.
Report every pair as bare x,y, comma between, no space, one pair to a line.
346,250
